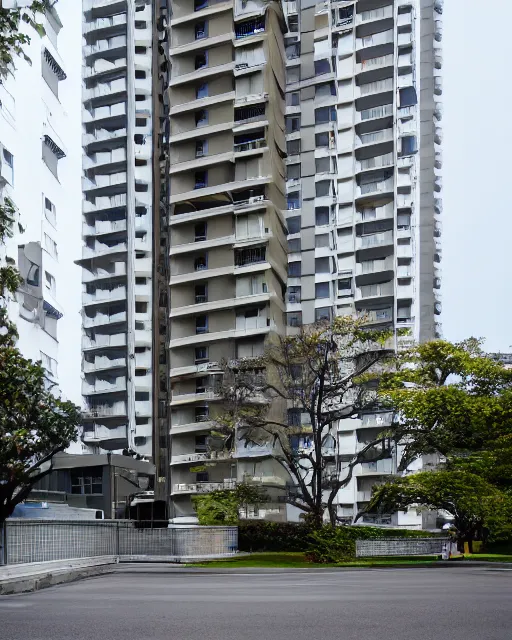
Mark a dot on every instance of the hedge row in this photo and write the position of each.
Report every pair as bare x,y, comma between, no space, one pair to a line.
257,535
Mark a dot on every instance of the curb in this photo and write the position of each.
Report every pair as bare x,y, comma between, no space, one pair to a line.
38,581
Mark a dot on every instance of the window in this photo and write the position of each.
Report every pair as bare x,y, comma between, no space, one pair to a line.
140,50
201,263
322,290
293,171
201,117
345,287
408,145
293,224
200,4
201,60
140,24
201,293
408,97
293,200
292,124
8,166
324,90
294,318
201,354
140,373
140,74
322,139
322,66
202,324
293,147
200,179
323,165
403,221
49,212
322,216
322,314
293,75
202,91
201,148
322,265
139,138
294,269
49,282
200,232
140,122
325,114
294,245
49,364
322,241
293,23
294,294
142,396
50,246
201,384
201,30
292,51
202,476
293,99
323,188
87,481
201,414
141,307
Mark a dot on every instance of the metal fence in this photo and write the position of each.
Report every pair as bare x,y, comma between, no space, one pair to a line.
401,547
24,541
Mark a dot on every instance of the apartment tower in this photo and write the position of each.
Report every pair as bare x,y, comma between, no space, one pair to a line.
363,182
117,254
226,226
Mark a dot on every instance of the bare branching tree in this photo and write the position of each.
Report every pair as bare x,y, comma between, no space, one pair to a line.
293,397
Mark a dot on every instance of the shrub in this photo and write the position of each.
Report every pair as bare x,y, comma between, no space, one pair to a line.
257,535
330,545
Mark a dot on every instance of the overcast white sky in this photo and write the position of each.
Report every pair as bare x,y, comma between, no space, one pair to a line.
477,172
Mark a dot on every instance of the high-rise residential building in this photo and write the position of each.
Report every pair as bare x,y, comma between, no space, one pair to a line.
363,182
40,176
117,254
226,225
250,167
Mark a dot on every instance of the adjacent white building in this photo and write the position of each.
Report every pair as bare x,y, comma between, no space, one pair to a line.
39,158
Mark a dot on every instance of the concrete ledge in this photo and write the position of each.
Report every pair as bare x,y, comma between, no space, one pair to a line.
179,559
31,577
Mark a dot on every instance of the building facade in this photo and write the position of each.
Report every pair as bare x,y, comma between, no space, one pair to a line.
250,167
117,254
39,175
363,184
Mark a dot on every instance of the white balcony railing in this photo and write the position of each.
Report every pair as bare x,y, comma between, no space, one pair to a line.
114,409
375,14
374,137
375,162
379,186
376,87
201,457
384,37
203,487
376,112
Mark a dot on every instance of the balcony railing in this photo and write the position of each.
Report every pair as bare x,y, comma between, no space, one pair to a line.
375,136
377,112
376,162
249,256
249,146
384,37
249,114
250,28
379,186
200,457
376,87
204,487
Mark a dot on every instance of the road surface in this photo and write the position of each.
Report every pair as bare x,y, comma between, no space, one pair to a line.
146,603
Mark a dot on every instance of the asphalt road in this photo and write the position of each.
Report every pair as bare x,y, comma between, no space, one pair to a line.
155,604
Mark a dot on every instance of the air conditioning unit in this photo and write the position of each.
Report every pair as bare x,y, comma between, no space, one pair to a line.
254,199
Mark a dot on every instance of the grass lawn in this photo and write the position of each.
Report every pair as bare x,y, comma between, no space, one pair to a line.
298,561
489,557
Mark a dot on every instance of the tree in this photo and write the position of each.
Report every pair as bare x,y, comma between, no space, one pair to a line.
448,399
223,507
300,388
12,40
453,402
475,504
34,424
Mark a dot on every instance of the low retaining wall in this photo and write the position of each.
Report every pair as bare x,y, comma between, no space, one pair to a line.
401,547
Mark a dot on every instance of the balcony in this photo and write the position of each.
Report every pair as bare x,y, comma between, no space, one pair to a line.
372,88
101,227
104,362
364,496
376,162
382,111
372,420
372,64
249,28
251,145
379,468
103,341
103,319
375,188
245,115
186,458
113,410
101,433
375,14
195,396
101,249
104,386
379,290
379,316
376,39
104,27
249,256
192,427
374,137
203,487
264,480
104,295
